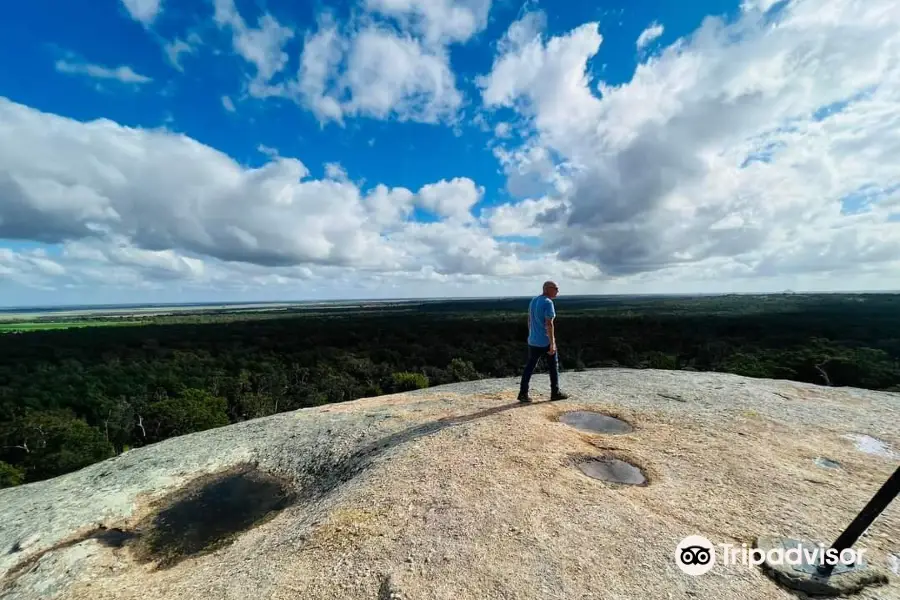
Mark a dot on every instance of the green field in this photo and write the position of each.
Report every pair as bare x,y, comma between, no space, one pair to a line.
41,326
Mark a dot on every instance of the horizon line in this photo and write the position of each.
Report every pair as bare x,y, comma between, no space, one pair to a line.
8,308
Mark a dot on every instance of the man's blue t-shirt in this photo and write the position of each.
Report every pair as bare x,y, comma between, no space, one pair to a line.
541,308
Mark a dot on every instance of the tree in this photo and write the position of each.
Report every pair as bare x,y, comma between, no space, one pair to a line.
463,370
52,443
10,476
659,360
747,365
118,421
405,381
193,410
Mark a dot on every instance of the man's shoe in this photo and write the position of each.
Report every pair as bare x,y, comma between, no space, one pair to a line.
558,395
524,399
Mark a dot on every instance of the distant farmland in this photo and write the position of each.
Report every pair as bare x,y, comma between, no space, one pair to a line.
41,326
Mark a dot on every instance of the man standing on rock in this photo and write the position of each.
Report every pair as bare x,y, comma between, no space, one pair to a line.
542,342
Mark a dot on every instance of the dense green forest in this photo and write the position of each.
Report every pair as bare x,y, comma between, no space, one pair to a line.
72,397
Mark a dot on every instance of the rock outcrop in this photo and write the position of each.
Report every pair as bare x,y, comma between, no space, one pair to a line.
459,492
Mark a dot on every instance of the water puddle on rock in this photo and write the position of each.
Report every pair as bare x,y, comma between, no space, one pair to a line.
894,563
210,512
827,463
593,422
613,470
874,446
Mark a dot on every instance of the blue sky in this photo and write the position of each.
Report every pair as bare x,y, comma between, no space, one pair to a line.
40,33
631,147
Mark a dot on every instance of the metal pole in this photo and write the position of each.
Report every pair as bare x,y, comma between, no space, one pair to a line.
864,519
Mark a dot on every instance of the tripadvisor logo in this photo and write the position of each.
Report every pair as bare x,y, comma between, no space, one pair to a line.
695,555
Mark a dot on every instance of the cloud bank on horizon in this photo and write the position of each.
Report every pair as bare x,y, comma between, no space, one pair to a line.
387,148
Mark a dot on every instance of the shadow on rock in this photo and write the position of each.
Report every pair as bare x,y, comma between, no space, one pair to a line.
325,469
413,433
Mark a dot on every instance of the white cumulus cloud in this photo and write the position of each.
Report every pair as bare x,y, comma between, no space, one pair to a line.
335,171
388,75
123,74
165,191
648,35
740,146
438,21
377,73
392,62
518,219
154,206
453,199
178,47
144,11
262,46
322,54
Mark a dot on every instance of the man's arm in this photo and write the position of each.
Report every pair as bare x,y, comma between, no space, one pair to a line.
549,316
551,334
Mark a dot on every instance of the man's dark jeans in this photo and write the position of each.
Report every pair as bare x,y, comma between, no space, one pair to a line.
534,355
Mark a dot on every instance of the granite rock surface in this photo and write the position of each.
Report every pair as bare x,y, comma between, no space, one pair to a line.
459,492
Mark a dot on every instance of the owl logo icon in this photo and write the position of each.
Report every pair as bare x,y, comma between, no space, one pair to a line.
695,555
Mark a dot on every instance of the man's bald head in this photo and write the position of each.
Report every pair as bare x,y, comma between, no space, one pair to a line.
550,288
